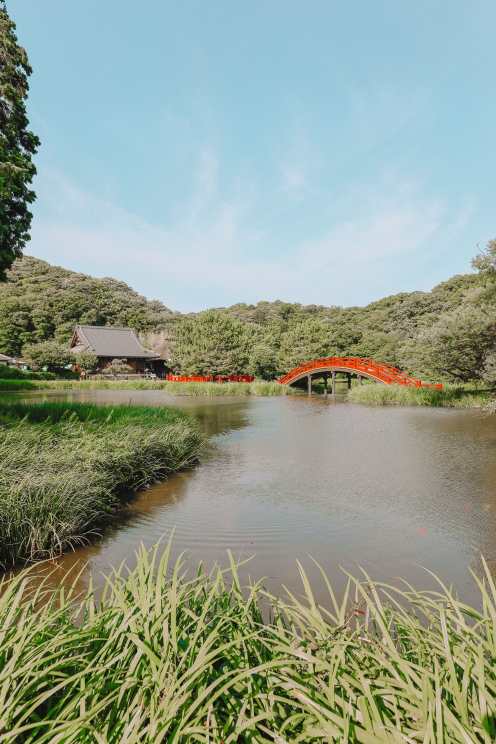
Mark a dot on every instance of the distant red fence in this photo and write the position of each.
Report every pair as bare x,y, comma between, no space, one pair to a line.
209,378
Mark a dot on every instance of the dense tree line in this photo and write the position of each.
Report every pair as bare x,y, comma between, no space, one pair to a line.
446,334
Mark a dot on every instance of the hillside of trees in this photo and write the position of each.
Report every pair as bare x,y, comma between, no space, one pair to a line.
39,302
446,334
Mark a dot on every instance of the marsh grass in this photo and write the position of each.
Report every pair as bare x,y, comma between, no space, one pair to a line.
195,389
67,468
450,396
166,656
12,385
214,389
55,411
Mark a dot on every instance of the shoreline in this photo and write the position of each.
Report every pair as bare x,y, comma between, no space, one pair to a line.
196,389
451,396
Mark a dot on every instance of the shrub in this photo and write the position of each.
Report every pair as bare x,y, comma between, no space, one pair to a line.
117,367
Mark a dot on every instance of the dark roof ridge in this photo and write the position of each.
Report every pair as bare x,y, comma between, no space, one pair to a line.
106,327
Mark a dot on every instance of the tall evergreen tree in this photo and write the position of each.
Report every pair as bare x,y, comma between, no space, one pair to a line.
17,145
211,343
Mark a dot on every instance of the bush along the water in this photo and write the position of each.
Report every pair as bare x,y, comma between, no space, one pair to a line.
166,656
67,468
14,373
13,385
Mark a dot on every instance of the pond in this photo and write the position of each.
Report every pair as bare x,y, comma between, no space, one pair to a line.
392,490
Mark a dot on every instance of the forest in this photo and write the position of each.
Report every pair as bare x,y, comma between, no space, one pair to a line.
447,334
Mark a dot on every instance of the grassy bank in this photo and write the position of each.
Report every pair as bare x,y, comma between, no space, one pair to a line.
12,386
197,389
212,389
164,658
388,395
67,467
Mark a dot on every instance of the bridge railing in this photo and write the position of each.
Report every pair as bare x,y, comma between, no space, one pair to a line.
384,372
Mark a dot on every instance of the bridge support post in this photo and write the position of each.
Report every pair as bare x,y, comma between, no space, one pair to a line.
309,384
349,381
333,388
360,380
325,385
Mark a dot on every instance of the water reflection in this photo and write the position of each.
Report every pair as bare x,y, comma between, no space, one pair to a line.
390,489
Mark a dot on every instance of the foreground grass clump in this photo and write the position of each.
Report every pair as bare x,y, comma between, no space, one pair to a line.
163,657
196,389
385,395
66,468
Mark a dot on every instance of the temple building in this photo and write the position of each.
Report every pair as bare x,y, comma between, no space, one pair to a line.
109,343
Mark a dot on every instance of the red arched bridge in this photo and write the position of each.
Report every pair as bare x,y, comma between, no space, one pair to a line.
350,366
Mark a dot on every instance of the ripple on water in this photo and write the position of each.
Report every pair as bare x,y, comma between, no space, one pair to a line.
390,489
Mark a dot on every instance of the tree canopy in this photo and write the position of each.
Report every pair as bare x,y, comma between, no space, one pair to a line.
485,261
17,145
211,344
49,355
40,302
446,334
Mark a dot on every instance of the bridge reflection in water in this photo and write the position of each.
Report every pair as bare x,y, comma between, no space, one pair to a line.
330,367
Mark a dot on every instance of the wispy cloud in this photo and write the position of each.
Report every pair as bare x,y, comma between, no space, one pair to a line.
214,254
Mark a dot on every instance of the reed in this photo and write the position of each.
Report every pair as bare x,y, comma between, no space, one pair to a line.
164,656
195,389
67,469
387,395
213,389
14,384
55,411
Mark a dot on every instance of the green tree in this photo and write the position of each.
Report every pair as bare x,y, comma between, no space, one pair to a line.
489,369
456,346
17,145
212,343
48,354
118,367
485,261
304,341
16,327
263,360
86,361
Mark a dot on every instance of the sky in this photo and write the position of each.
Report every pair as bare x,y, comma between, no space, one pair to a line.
209,153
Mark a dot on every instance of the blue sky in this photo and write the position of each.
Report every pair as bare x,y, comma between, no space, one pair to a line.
217,152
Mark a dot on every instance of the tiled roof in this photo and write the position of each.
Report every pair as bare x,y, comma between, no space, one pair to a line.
109,341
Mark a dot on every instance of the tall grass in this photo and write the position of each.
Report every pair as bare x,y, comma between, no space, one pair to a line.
166,657
386,395
67,468
13,385
213,389
196,389
53,411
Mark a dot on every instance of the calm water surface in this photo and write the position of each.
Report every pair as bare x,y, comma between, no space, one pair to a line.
388,489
